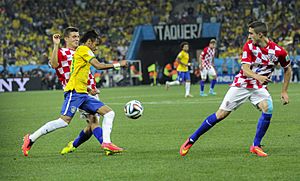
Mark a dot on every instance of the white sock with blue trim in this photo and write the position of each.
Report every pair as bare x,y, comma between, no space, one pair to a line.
47,128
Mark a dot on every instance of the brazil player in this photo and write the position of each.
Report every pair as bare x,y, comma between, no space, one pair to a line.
183,70
260,56
76,96
61,61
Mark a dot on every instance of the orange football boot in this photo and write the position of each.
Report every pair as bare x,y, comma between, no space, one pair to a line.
258,151
184,149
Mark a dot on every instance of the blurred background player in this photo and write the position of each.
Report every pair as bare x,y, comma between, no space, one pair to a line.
183,70
260,56
295,69
170,72
76,96
206,65
61,61
152,71
136,75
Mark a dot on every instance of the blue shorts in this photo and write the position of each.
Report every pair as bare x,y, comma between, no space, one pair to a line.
183,76
74,100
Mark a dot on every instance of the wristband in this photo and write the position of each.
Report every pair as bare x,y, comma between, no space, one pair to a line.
117,66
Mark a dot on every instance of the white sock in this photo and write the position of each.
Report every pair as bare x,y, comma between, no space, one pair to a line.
187,88
47,128
107,124
176,82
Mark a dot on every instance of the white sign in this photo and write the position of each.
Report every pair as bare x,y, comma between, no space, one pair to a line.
178,32
8,84
224,79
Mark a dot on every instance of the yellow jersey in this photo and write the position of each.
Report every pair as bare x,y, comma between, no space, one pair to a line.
184,58
80,69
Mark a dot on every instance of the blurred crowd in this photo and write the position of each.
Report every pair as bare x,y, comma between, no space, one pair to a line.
282,17
29,24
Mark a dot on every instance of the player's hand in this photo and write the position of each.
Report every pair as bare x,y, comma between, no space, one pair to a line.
284,98
94,91
200,67
123,63
264,79
56,39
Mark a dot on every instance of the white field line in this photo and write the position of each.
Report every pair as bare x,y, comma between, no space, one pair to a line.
180,102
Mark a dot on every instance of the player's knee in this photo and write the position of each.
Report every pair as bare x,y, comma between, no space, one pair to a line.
267,106
222,114
110,114
67,119
92,119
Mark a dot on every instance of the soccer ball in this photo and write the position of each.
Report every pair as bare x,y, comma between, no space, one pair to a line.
133,109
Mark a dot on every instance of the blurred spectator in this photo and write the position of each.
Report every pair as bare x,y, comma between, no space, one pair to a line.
295,68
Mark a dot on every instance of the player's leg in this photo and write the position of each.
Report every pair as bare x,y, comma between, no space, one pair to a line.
50,126
87,132
206,125
212,72
107,124
72,101
96,106
187,79
264,102
232,100
83,136
175,82
92,105
202,82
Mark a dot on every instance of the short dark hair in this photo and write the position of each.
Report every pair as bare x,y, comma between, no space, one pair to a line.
70,29
259,27
91,34
213,41
183,43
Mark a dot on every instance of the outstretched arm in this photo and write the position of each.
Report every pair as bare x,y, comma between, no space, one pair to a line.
103,66
54,56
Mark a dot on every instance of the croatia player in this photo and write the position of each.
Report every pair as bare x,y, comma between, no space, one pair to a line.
260,56
61,61
76,96
183,70
206,65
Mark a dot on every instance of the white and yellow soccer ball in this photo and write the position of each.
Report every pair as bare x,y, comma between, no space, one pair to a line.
133,109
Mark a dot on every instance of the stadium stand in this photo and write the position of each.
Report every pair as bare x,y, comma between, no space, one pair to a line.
29,25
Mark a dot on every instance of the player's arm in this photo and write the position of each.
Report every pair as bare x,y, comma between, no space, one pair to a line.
54,56
285,62
104,66
178,59
247,60
213,61
93,91
201,57
286,80
249,73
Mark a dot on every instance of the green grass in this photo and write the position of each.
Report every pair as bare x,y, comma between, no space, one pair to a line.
153,141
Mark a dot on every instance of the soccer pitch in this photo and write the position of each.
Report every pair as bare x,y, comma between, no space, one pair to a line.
152,141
